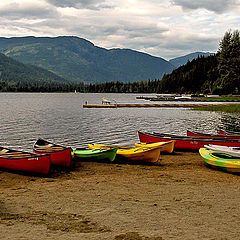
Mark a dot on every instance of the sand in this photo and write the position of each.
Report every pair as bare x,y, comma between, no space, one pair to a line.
179,198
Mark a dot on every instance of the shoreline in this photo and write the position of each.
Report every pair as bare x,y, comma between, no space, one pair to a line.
179,198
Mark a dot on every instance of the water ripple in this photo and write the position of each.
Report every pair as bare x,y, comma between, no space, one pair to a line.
60,118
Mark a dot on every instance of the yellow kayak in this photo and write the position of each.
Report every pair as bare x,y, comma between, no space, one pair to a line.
144,154
167,147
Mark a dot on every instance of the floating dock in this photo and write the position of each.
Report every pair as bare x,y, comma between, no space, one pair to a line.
138,105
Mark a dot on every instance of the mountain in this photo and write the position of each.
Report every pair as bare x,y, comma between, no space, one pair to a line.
79,60
18,76
179,61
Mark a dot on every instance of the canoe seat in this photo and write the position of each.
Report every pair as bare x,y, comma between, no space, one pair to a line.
4,150
45,146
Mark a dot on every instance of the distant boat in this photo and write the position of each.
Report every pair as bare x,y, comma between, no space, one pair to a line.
182,97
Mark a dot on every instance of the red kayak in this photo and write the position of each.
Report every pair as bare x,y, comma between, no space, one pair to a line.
186,143
24,161
206,135
59,155
223,132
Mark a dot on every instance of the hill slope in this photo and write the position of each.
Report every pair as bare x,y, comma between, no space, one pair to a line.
16,75
77,59
179,61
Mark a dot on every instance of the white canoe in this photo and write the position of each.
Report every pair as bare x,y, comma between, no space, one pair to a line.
232,151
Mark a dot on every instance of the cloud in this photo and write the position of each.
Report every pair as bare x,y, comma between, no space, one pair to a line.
217,6
27,10
160,28
88,4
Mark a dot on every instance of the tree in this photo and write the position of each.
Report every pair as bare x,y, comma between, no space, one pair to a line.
229,62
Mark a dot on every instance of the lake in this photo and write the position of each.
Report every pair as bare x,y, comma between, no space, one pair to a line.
60,117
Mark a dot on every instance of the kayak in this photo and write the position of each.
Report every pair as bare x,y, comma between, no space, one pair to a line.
24,161
220,160
95,154
59,155
186,143
166,147
232,151
144,154
207,135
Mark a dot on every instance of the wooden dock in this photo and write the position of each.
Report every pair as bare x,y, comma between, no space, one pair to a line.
132,105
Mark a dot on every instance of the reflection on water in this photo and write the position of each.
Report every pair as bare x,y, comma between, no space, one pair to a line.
60,117
231,122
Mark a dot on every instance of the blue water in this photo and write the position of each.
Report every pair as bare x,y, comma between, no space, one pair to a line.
60,117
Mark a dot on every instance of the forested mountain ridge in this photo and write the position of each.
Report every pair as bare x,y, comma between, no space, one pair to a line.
79,60
16,76
179,61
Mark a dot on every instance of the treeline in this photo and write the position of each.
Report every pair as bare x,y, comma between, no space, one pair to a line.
216,74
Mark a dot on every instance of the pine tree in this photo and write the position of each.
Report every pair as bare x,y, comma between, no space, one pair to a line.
229,63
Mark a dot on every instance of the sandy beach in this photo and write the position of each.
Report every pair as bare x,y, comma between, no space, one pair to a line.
179,198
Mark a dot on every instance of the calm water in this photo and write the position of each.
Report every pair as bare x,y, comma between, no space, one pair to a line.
60,117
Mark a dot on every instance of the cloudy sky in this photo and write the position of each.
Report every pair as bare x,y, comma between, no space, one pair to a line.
163,28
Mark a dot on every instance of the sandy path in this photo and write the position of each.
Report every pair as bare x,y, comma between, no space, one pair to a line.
178,199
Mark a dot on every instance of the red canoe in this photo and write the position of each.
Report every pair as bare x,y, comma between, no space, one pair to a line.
186,143
223,132
206,135
24,161
59,155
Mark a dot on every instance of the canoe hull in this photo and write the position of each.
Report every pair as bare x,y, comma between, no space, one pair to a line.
143,154
95,155
220,161
205,135
228,133
188,143
232,151
36,164
61,158
166,147
59,155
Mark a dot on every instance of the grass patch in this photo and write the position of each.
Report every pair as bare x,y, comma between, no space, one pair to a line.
229,108
225,98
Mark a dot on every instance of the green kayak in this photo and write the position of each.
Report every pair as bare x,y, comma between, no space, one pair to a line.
95,154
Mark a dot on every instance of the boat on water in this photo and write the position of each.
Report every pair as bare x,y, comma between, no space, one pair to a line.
24,161
185,142
59,155
220,161
94,154
166,147
144,154
225,132
207,135
232,151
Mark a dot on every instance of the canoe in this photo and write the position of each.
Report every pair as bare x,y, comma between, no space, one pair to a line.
220,160
186,143
232,151
95,154
166,147
207,135
24,161
59,155
224,132
144,154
